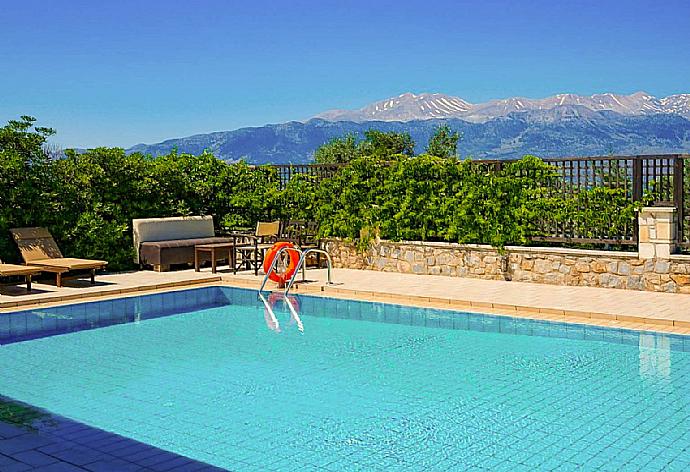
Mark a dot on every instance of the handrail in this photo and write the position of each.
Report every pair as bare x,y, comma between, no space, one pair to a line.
301,262
303,256
274,264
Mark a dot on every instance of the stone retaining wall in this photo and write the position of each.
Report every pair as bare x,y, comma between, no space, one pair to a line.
555,266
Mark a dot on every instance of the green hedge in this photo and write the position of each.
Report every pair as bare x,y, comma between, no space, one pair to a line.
447,199
88,200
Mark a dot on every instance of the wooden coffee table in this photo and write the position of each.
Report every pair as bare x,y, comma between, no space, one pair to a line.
223,249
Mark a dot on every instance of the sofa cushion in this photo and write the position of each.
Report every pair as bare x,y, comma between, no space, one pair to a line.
186,242
176,251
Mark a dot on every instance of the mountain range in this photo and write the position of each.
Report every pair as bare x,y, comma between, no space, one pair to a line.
562,125
409,106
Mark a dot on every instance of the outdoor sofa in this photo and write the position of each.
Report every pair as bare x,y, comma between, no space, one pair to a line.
162,242
39,250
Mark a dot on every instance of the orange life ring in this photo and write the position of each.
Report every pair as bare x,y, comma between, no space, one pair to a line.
293,256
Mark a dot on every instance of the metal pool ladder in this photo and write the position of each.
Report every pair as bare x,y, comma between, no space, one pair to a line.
300,265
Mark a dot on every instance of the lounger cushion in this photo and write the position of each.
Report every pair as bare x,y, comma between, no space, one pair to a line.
7,270
176,251
69,263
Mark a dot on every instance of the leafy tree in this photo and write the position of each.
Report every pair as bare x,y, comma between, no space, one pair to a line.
24,173
379,144
95,196
192,185
383,145
494,206
338,150
444,142
23,138
298,200
252,194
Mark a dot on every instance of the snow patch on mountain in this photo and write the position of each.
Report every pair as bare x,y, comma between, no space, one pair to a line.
425,106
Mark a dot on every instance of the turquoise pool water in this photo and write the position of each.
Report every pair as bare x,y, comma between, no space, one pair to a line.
206,373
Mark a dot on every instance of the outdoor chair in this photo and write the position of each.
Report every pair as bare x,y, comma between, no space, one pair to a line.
14,270
39,250
251,247
290,231
304,234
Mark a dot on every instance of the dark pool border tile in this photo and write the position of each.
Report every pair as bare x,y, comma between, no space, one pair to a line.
394,313
35,323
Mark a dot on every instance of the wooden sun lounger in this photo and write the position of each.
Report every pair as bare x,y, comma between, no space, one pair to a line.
9,270
39,249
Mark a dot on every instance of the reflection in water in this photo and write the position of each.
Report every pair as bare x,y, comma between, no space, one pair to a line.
655,357
293,305
19,414
270,317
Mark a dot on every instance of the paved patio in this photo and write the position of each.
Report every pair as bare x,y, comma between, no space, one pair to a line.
609,307
45,291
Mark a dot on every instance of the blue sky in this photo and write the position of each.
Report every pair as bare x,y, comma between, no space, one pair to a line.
121,72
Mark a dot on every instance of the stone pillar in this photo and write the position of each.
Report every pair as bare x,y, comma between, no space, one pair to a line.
657,235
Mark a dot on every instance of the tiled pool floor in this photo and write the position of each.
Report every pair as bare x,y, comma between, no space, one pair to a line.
40,441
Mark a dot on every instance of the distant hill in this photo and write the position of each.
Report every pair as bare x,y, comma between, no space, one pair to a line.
560,130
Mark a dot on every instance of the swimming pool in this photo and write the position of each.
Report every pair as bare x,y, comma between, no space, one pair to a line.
209,374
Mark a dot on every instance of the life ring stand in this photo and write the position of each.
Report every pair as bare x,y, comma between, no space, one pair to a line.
293,257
